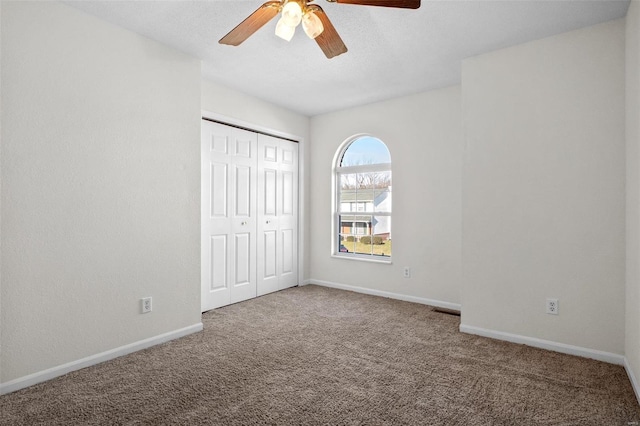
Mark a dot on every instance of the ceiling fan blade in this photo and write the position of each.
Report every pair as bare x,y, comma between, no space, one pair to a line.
253,23
404,4
329,40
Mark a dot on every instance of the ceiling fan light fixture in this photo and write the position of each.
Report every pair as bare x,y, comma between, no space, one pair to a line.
285,31
292,13
312,25
315,21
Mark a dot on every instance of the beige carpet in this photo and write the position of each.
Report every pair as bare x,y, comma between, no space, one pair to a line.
314,355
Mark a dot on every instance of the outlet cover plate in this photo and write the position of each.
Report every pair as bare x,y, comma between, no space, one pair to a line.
552,306
406,272
145,305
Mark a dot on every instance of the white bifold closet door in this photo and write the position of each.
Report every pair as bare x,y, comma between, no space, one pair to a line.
277,214
249,214
229,174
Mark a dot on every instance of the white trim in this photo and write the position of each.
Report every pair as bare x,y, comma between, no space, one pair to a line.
632,377
51,373
545,344
364,257
377,167
388,294
225,119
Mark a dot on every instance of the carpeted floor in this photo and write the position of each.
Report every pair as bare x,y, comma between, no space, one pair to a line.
314,355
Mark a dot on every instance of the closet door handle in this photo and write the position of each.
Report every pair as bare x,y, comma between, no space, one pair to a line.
243,223
268,222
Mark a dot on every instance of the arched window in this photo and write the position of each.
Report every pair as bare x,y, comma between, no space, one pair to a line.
362,200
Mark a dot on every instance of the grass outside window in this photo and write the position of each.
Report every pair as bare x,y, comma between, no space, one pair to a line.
375,249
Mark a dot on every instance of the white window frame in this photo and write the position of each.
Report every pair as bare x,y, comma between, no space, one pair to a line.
335,203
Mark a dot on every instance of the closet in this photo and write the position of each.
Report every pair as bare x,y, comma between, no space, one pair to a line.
249,222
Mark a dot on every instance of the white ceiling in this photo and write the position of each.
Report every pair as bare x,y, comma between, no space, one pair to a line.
392,52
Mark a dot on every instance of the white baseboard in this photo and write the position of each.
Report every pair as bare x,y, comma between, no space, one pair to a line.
388,294
42,376
545,344
633,378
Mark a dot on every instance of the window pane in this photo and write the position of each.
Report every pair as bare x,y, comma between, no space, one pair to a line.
348,181
365,234
364,192
348,192
347,245
382,196
366,181
377,242
365,200
381,230
382,180
366,150
349,228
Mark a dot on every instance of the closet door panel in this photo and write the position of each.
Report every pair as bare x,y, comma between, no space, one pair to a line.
244,215
288,214
288,253
288,199
268,259
243,191
218,263
270,190
228,215
269,250
278,172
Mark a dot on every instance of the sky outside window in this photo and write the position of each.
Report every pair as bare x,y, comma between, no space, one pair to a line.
366,150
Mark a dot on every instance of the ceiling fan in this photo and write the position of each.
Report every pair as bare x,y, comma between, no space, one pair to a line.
315,22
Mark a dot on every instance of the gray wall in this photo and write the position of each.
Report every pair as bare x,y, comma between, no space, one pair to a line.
632,343
100,196
544,189
424,136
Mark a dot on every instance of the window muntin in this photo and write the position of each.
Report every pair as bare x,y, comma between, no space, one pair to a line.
362,218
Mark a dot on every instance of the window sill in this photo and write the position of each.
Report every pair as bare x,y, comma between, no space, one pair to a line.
363,258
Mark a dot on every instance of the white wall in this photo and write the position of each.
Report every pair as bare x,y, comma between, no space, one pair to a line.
632,342
424,136
100,193
543,189
247,109
240,106
1,97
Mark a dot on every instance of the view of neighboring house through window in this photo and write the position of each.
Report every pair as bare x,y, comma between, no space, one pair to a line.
362,218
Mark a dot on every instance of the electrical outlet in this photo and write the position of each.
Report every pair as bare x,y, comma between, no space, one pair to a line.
145,305
407,272
552,306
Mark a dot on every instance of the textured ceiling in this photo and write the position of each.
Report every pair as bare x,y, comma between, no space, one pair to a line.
392,52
